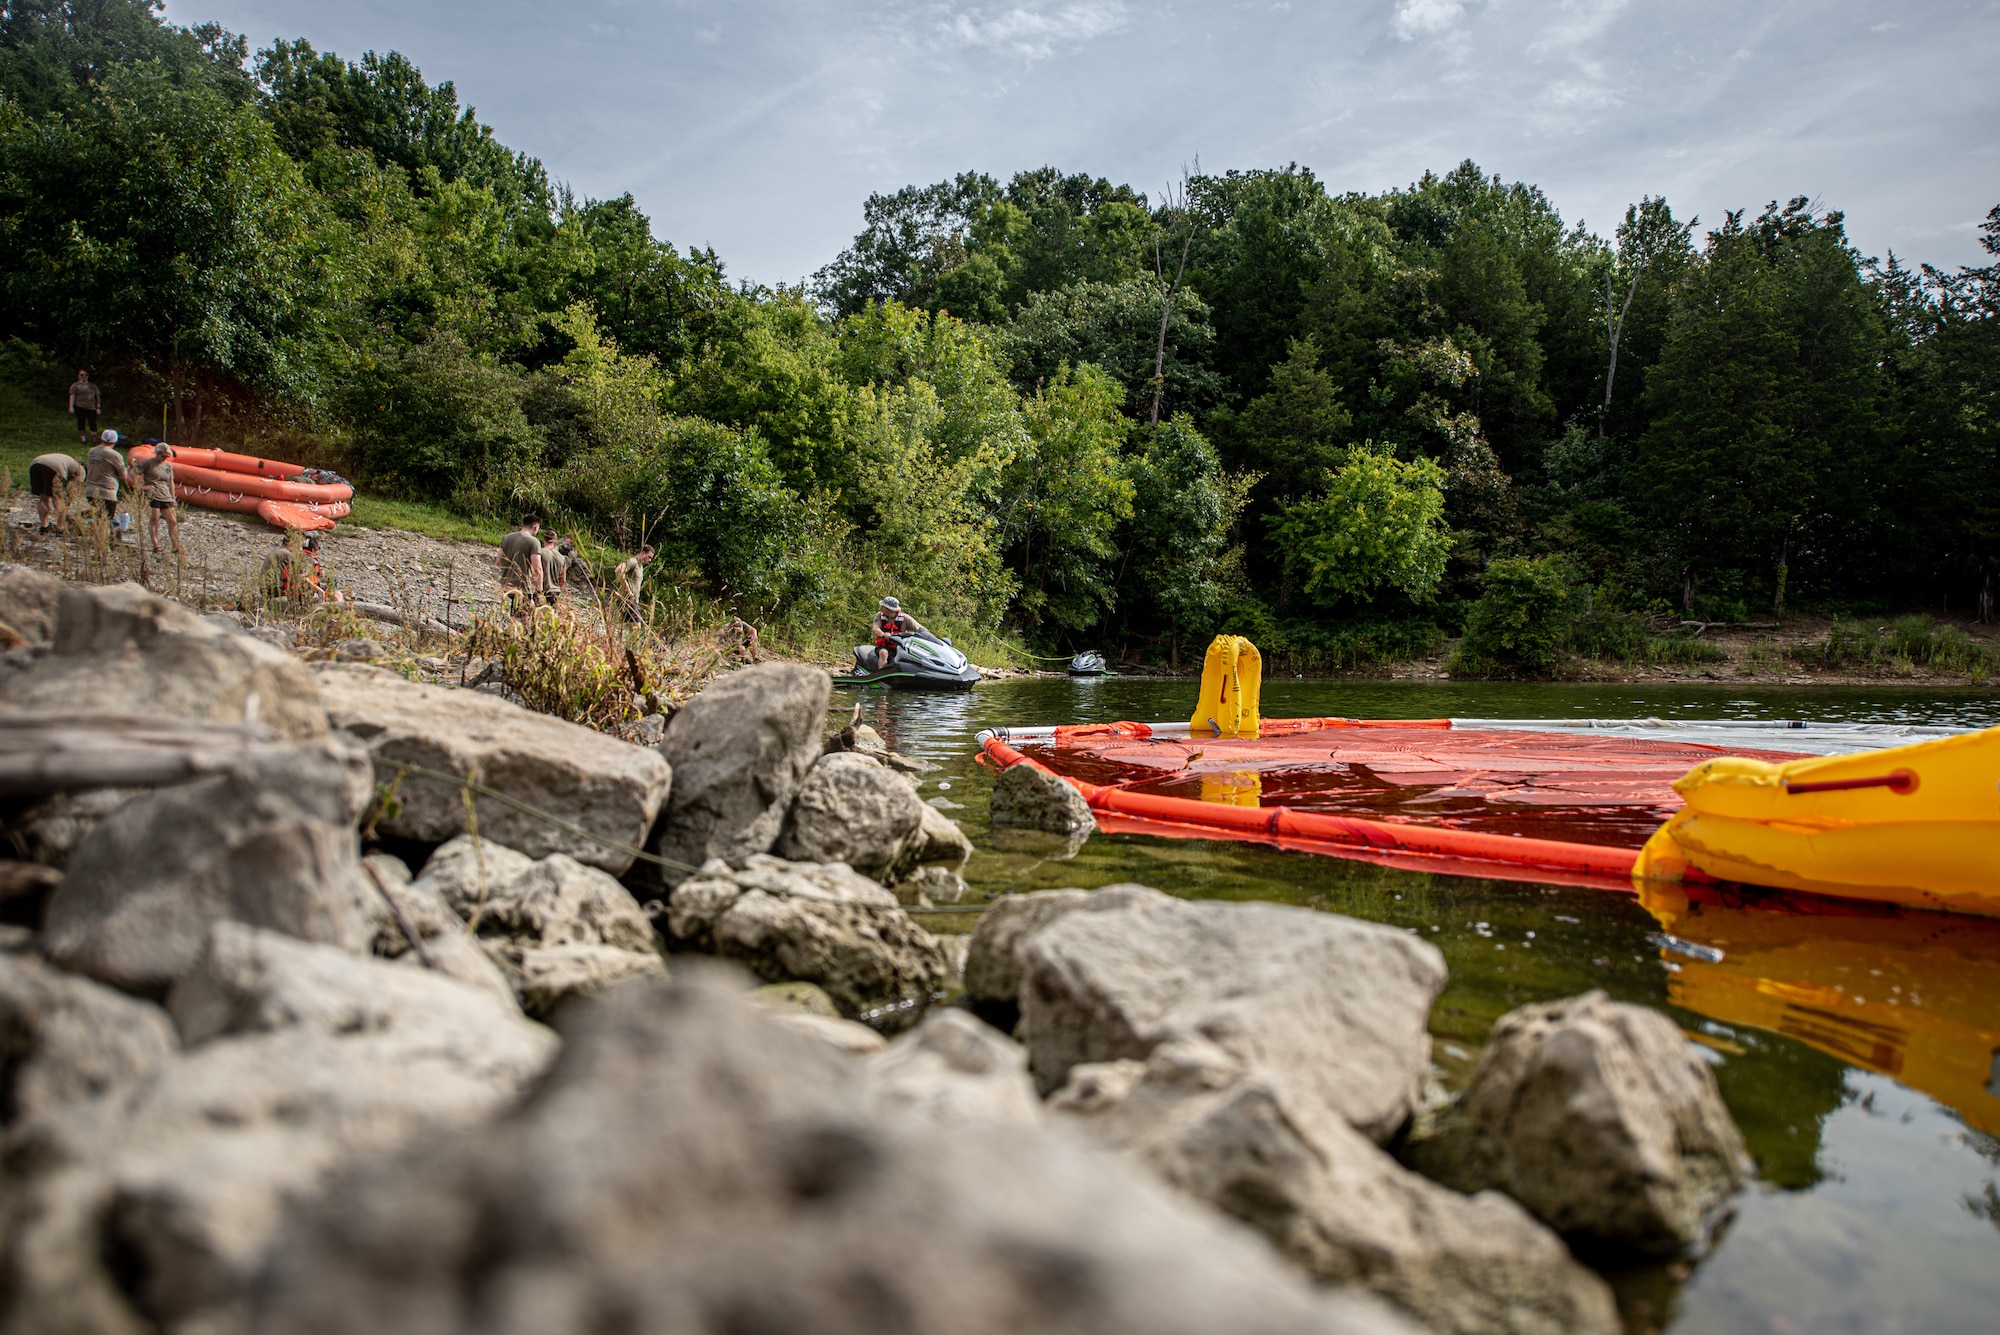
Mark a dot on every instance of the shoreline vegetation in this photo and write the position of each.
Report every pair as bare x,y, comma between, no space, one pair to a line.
1435,429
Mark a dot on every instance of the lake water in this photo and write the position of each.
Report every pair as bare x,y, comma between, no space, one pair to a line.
1860,1054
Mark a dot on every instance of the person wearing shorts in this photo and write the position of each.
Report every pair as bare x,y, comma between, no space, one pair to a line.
156,479
50,476
103,469
85,402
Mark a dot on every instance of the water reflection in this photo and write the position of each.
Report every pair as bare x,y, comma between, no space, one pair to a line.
1912,995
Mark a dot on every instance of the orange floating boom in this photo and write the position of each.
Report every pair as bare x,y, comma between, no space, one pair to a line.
1507,856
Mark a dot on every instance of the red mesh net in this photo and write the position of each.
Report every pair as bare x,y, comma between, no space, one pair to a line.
1583,789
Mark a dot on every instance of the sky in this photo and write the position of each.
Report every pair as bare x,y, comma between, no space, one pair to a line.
759,127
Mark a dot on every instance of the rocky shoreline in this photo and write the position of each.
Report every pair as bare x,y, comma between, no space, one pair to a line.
333,1001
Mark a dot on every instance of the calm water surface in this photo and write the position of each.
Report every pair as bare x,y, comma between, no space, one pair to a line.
1860,1054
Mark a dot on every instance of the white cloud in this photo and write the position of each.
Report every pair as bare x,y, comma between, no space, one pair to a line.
1420,18
1033,34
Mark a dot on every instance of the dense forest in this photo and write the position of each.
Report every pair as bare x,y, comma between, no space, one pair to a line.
1344,424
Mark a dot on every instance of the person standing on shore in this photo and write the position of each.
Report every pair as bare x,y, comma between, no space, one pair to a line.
629,577
103,469
156,479
50,477
557,553
521,565
85,402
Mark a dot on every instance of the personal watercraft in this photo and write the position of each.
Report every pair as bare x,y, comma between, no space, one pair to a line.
1089,663
922,662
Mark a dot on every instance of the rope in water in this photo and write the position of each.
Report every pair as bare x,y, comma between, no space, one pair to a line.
529,809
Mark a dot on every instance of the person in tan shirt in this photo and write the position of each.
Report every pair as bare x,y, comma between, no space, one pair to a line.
521,565
50,479
85,402
103,469
156,479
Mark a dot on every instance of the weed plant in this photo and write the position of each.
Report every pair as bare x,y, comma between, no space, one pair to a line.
1907,643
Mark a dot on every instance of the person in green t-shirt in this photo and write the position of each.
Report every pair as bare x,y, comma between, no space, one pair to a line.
521,564
85,402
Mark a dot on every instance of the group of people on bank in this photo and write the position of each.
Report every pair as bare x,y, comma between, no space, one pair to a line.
534,570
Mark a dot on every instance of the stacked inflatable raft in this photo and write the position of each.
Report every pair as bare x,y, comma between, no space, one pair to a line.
283,495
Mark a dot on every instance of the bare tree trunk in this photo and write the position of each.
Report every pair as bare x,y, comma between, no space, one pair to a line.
1616,330
1167,295
1784,568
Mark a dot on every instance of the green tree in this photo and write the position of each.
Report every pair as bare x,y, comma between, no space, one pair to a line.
1519,625
162,223
1115,327
1177,569
1065,496
1376,524
56,54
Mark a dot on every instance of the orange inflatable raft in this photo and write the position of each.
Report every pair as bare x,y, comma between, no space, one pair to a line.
271,489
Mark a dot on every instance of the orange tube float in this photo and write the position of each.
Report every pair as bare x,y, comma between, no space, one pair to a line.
1512,857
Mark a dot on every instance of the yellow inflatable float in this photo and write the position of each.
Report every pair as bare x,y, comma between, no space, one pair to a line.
1916,825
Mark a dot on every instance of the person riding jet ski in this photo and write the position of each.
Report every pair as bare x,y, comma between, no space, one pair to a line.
891,620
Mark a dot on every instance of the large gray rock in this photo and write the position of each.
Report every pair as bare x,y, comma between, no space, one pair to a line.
1332,1009
446,946
1028,798
271,844
740,750
554,926
609,788
121,643
956,1071
65,1039
938,842
852,809
993,959
821,924
689,1165
1602,1120
30,600
1330,1199
153,1207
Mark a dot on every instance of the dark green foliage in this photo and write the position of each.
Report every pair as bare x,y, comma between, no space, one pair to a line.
1912,641
1376,408
1520,624
438,422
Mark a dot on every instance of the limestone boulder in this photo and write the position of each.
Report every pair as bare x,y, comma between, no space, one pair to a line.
65,1039
1601,1119
554,926
1330,1199
271,844
824,924
1332,1009
930,885
119,643
154,1207
956,1071
852,809
689,1164
446,946
937,842
29,602
993,959
1027,798
740,751
610,789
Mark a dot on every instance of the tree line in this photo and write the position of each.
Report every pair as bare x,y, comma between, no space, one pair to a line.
1334,421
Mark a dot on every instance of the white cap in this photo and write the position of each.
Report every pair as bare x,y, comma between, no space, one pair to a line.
109,437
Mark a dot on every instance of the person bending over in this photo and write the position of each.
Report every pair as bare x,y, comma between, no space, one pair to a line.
50,477
630,580
890,619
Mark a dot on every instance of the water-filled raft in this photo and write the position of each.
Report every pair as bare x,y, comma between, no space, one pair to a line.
1551,803
279,493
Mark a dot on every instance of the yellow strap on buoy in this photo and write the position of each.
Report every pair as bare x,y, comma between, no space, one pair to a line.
1232,677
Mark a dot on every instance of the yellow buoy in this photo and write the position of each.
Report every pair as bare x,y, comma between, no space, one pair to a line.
1231,678
1917,825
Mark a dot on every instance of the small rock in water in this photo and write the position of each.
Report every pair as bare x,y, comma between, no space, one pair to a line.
1028,798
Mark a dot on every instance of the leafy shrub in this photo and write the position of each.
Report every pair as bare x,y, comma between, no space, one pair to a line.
1912,641
1377,523
435,421
1521,622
